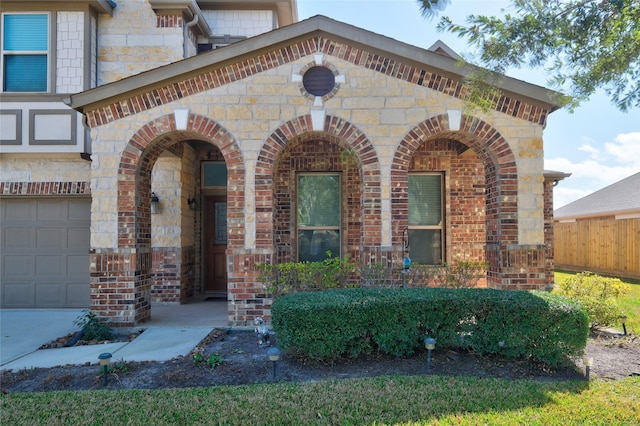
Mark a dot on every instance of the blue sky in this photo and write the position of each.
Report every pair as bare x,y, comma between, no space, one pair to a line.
597,144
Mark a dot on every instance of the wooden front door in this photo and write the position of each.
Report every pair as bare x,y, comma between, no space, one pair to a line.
215,243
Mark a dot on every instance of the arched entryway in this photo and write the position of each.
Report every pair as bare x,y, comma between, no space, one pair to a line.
122,278
296,150
433,147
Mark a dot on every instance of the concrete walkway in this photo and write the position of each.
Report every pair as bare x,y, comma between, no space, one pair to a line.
173,330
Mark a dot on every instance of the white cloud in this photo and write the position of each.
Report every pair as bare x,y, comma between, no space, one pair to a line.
625,148
589,148
617,160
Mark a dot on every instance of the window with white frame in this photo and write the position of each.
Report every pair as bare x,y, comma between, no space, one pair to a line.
426,234
25,52
318,216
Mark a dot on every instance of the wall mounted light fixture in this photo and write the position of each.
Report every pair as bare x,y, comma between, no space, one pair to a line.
155,203
193,203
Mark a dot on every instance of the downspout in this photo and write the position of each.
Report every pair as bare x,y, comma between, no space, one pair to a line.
185,36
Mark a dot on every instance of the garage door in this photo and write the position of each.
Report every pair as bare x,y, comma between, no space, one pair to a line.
45,253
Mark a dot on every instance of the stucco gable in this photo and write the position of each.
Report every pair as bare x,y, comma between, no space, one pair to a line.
318,34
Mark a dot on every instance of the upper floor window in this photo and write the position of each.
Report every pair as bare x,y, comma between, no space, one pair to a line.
426,236
25,52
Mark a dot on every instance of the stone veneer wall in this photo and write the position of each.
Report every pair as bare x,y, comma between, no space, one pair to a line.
48,175
246,23
70,52
252,111
135,39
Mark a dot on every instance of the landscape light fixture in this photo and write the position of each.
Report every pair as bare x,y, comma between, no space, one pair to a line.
155,203
588,363
430,344
105,359
274,354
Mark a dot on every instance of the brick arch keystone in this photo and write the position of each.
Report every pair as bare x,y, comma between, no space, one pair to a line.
335,129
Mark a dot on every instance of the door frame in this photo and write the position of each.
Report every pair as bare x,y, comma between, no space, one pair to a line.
210,200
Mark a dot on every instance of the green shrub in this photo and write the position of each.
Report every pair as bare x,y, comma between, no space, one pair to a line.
292,277
95,328
461,274
458,274
333,324
597,295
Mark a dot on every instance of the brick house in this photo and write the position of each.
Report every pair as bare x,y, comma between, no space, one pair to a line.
183,166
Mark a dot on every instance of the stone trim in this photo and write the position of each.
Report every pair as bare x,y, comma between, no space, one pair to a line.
45,188
286,54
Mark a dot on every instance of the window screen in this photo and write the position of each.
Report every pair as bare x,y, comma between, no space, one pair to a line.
425,219
318,216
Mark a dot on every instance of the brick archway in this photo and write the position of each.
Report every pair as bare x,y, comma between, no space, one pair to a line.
501,194
336,130
120,277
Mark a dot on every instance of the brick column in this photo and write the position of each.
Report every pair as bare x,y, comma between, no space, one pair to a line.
121,285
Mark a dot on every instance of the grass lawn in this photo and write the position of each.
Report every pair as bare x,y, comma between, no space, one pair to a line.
412,400
630,304
415,400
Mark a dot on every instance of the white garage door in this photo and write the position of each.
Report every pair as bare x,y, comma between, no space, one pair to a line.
45,252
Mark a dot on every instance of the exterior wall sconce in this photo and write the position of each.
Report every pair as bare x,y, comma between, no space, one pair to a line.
193,203
155,203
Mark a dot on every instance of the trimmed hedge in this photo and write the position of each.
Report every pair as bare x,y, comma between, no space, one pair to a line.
333,324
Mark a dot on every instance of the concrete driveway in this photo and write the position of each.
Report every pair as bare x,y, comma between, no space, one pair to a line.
23,331
174,330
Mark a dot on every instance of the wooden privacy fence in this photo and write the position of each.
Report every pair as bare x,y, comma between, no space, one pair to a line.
606,246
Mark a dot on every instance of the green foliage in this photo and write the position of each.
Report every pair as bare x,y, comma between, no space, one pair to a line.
95,327
458,274
583,44
291,277
212,360
119,368
461,274
598,295
333,324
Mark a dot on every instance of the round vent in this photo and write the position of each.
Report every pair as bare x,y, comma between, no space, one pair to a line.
318,81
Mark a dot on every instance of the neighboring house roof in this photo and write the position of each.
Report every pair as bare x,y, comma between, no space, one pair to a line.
317,26
618,198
